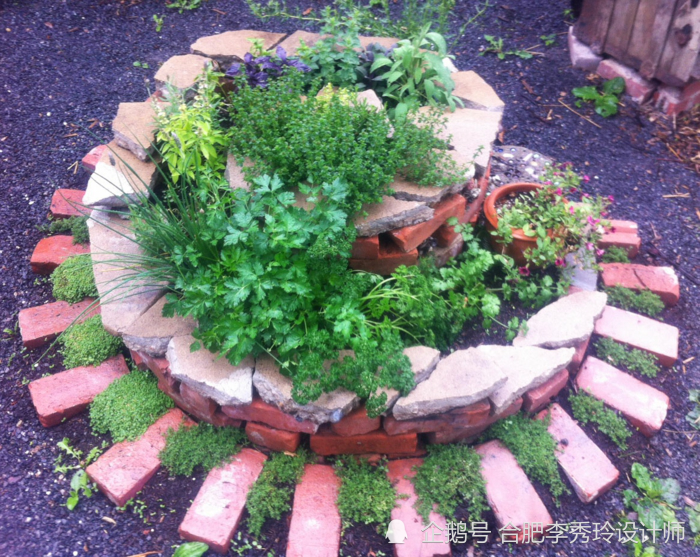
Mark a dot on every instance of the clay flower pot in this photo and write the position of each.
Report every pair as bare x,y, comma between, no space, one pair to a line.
521,243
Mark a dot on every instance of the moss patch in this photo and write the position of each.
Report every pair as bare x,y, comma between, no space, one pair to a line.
88,344
74,279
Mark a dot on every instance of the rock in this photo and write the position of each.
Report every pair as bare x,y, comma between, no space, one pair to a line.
151,332
232,46
292,43
370,98
409,191
464,377
512,163
135,127
475,92
525,368
119,178
423,362
565,323
115,258
386,42
276,389
93,156
210,374
181,73
234,173
581,277
391,213
582,56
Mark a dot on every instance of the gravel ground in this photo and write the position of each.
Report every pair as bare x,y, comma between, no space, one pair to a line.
65,67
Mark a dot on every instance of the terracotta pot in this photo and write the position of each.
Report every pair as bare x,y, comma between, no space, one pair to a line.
516,249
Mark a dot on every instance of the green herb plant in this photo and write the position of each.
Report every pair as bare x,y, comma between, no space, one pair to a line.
191,549
615,254
693,417
77,226
366,496
654,500
158,20
74,279
496,46
619,355
587,409
605,101
643,302
184,5
692,509
548,40
139,64
79,483
88,344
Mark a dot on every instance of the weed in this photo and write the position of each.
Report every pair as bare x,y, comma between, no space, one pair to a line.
202,445
366,496
77,226
634,360
588,409
450,476
655,500
184,5
693,513
138,507
615,254
533,447
191,549
644,302
605,102
129,406
497,47
549,40
693,417
243,546
88,344
138,64
74,279
158,20
79,483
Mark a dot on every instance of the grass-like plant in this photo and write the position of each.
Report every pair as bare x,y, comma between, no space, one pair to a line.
88,344
587,409
643,302
634,360
74,279
129,406
366,496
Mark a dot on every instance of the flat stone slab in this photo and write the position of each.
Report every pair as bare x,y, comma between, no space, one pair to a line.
326,443
232,46
114,250
215,513
151,332
475,92
314,530
510,494
122,471
564,323
640,332
276,389
210,374
644,406
589,471
292,43
400,473
430,195
460,379
581,277
50,252
423,361
390,214
234,173
135,127
525,368
662,281
261,411
42,324
119,177
272,438
67,203
63,395
181,73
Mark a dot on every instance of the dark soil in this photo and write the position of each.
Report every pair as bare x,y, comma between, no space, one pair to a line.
65,66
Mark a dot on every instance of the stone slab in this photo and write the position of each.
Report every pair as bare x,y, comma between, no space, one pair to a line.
232,46
151,332
662,281
234,173
42,324
273,439
326,443
423,361
50,252
430,195
215,513
449,422
66,203
210,374
135,127
582,56
391,213
475,92
292,43
181,73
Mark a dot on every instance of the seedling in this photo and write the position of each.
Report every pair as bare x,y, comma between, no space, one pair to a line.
605,102
497,47
191,549
182,5
143,65
548,40
79,483
655,504
693,417
158,20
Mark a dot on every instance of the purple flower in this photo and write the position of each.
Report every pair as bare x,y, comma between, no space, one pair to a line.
599,252
592,221
524,271
560,262
559,192
589,246
548,183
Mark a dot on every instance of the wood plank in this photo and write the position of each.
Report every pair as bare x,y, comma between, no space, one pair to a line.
592,26
639,44
620,29
686,32
660,30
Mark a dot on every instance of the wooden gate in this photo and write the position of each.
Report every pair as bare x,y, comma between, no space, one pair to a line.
660,38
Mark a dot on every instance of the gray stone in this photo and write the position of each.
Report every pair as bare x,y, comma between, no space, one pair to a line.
232,46
567,322
371,99
386,42
116,261
210,374
581,277
423,362
181,73
430,195
135,127
475,92
391,214
276,389
462,378
119,178
234,173
151,332
449,64
526,368
292,43
582,56
512,163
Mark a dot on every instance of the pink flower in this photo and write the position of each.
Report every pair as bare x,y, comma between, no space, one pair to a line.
585,195
592,221
586,178
573,190
548,183
611,199
559,192
524,271
599,252
560,262
589,246
571,209
604,214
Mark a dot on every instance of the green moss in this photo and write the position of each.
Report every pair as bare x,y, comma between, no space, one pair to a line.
631,358
366,496
74,279
533,447
615,254
588,409
449,476
88,344
77,226
129,406
643,302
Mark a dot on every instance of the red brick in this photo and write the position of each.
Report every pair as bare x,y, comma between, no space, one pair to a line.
579,355
635,85
325,443
660,280
400,473
67,203
473,415
444,255
314,530
445,235
51,252
640,332
198,405
124,469
42,324
470,431
624,227
215,513
65,394
590,472
628,242
93,157
674,100
138,360
510,494
538,398
261,411
366,248
273,439
644,406
420,425
410,237
219,419
390,258
356,422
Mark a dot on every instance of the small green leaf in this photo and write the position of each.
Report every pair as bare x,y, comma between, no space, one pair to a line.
589,93
191,549
606,105
615,86
670,490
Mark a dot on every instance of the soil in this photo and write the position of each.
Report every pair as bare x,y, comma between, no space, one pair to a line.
66,66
